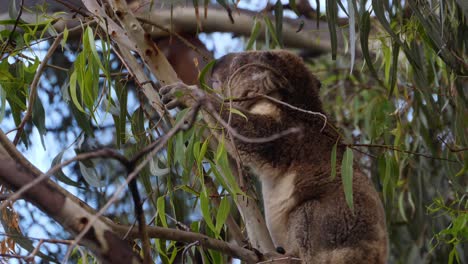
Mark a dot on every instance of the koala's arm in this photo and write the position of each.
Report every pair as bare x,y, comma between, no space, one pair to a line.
256,127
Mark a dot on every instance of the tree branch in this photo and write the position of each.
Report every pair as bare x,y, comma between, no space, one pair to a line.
71,215
190,237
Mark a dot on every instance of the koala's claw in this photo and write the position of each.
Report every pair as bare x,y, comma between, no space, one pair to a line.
174,95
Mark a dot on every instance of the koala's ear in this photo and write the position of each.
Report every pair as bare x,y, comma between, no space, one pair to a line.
223,64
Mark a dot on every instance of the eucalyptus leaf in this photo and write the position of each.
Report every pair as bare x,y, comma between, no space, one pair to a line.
347,176
91,175
222,214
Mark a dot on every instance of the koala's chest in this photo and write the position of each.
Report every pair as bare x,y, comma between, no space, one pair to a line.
278,198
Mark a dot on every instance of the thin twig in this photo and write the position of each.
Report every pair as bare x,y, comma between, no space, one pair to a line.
399,150
452,149
245,139
35,251
324,117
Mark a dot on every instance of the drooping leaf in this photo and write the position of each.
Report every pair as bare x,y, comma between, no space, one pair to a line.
279,22
161,205
59,175
271,30
254,33
364,37
3,96
347,176
394,68
88,38
390,178
293,5
155,169
202,76
91,175
38,118
120,125
205,209
74,92
222,214
138,124
332,11
352,33
237,112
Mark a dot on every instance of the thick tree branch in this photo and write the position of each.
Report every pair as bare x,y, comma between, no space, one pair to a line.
190,237
184,19
100,238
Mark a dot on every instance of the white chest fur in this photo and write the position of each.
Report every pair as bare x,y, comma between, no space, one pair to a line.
278,191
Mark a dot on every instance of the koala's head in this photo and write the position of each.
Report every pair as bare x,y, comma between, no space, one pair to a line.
280,74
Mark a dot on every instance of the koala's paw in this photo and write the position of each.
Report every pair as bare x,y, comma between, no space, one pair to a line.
177,95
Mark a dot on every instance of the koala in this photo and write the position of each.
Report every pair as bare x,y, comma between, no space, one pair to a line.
305,209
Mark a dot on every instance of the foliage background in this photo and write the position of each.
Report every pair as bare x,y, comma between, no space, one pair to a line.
402,107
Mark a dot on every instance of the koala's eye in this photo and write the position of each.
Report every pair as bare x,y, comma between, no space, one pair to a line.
216,84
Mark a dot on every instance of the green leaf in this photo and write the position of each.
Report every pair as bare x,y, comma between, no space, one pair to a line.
271,30
333,161
3,96
59,175
219,177
394,68
237,112
347,176
352,32
162,250
223,212
220,150
203,149
205,209
89,38
331,11
203,73
63,42
38,119
189,189
74,93
279,22
401,206
122,95
364,36
161,205
390,178
293,5
83,120
254,33
223,164
138,124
